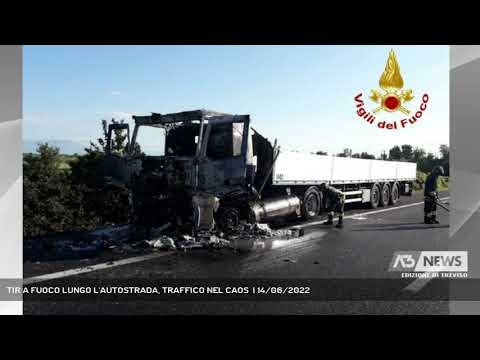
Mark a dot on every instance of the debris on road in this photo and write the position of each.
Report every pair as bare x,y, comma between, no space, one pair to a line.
80,245
121,240
159,230
264,229
163,243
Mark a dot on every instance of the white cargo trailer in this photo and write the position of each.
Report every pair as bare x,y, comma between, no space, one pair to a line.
220,171
294,168
376,182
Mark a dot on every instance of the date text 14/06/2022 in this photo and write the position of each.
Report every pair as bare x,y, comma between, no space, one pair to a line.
371,119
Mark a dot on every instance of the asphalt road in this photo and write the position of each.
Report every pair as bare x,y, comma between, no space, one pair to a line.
360,252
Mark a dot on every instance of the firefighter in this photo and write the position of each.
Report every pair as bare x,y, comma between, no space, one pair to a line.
335,202
431,195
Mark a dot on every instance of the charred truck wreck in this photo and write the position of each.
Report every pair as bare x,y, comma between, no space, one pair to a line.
217,173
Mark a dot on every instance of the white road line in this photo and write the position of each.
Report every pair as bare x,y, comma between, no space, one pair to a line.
418,283
368,213
132,260
96,267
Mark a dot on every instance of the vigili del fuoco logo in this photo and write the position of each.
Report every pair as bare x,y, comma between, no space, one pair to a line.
392,98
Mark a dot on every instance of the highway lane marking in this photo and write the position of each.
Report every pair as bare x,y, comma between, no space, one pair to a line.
416,285
353,216
132,260
90,268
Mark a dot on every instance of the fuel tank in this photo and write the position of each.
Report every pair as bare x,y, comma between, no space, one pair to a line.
268,209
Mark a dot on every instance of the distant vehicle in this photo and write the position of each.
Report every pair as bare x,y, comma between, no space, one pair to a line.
217,172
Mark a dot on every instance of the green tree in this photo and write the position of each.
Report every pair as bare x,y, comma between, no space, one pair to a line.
345,153
59,198
418,154
365,155
445,158
427,163
110,204
407,152
50,203
395,153
445,151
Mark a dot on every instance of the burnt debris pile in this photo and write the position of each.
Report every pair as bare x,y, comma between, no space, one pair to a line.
126,239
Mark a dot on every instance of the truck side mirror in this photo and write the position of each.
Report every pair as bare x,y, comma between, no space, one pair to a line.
117,128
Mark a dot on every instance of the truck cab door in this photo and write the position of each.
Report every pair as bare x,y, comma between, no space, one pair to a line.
116,165
224,155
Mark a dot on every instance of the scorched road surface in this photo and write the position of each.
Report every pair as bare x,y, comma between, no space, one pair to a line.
363,249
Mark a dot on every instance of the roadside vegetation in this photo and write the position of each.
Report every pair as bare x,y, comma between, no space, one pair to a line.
443,182
67,193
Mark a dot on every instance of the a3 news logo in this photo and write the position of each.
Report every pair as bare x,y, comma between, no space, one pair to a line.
429,261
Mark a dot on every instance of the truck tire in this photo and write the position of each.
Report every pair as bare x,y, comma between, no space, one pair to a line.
375,196
311,203
385,195
228,219
395,194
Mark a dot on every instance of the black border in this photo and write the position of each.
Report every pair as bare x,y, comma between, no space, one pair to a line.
243,23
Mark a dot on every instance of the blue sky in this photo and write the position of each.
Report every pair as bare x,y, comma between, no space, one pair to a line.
302,95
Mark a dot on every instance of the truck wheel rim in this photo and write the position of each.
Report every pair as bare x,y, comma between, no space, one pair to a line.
230,219
375,196
395,193
385,195
311,205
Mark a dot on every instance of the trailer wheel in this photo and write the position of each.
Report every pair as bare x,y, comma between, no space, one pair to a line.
311,203
385,196
375,196
394,196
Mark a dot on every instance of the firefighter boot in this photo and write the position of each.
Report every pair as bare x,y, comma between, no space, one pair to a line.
434,219
427,219
340,222
329,221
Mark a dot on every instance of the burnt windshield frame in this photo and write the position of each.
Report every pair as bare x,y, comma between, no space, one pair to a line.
227,119
134,140
167,128
182,140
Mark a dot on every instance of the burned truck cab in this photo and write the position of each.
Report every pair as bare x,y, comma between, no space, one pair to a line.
207,164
